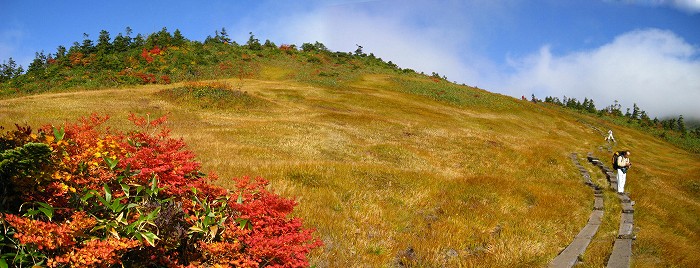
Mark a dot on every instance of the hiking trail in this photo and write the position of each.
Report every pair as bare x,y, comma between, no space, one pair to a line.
622,249
571,255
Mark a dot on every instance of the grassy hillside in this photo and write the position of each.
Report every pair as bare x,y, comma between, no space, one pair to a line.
391,167
405,169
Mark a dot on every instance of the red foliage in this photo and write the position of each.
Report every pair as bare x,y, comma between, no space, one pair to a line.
146,78
76,58
148,54
165,79
156,50
95,253
48,235
275,240
256,231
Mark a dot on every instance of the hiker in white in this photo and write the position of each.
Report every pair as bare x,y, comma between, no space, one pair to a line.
610,136
623,164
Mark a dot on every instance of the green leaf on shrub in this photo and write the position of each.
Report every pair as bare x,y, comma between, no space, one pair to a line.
125,189
87,196
3,264
47,211
154,185
58,134
153,214
244,223
44,208
111,163
150,238
108,194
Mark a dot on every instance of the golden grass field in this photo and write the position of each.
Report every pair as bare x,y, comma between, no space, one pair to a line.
391,178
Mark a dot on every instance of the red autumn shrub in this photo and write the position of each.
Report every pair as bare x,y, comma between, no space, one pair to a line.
146,55
146,78
82,196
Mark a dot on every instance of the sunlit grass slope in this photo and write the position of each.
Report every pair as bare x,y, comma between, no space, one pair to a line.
665,183
399,170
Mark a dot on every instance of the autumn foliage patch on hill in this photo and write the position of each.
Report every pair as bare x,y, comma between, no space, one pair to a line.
164,57
78,196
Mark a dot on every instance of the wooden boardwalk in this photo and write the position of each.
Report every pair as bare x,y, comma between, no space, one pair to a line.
621,255
571,254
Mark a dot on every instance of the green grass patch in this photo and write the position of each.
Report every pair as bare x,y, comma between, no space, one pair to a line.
212,96
445,91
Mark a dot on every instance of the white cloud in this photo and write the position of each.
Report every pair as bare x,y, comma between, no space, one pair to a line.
396,34
691,6
654,68
688,6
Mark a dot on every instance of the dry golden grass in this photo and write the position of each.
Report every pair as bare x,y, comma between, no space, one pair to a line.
665,183
381,173
598,251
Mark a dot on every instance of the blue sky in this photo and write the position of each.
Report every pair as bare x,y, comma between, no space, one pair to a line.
645,52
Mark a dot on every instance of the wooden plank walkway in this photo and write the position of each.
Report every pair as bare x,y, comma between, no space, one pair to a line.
621,255
571,254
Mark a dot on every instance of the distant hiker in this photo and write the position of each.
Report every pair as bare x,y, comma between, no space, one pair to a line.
610,136
622,164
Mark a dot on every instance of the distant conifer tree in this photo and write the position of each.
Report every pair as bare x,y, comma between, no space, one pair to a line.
103,42
9,70
87,46
178,38
253,43
681,125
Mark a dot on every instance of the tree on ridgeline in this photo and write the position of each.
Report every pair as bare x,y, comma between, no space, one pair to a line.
253,43
681,126
178,39
591,107
269,44
38,64
87,46
220,37
138,41
9,70
162,39
103,43
315,47
635,112
121,42
696,133
644,120
671,124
